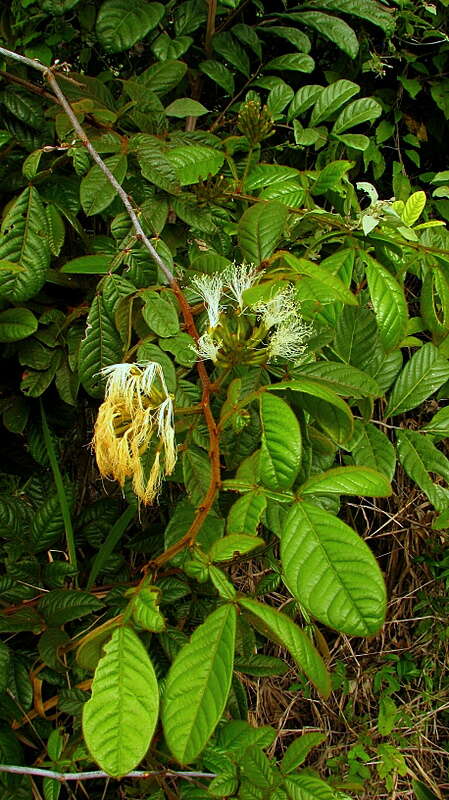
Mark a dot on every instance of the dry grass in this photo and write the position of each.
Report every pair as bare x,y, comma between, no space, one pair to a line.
399,531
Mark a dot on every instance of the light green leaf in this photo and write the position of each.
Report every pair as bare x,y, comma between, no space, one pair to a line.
121,24
88,265
308,787
241,543
281,629
297,62
343,379
363,110
218,73
16,324
299,749
260,229
324,405
198,685
333,28
96,193
245,515
159,314
120,718
371,448
23,242
362,481
355,140
389,303
413,208
195,162
280,455
331,99
331,571
185,107
426,371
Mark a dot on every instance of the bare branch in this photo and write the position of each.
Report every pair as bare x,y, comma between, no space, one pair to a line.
88,776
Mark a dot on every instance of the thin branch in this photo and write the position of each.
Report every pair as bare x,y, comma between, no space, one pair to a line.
88,776
31,87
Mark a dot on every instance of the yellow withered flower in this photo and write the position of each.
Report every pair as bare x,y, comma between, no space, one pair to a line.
136,415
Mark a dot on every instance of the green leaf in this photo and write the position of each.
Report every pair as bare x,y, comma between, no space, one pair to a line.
96,193
55,229
198,685
363,110
269,175
195,162
371,448
23,620
332,413
197,474
389,303
23,242
422,792
120,718
332,28
413,208
100,347
120,25
88,265
308,787
343,379
299,749
419,456
246,513
227,46
185,107
159,314
63,605
257,768
163,77
331,571
259,230
370,10
331,282
426,371
355,140
241,543
356,338
16,324
293,35
439,424
331,98
280,456
304,98
218,73
151,352
281,629
154,162
297,62
330,176
362,481
183,348
48,524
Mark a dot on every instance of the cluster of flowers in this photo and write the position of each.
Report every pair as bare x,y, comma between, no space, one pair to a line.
280,328
134,433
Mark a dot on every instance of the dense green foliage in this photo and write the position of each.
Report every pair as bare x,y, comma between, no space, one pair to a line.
287,163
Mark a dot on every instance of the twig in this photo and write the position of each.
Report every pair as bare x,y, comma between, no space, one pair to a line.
210,29
31,87
88,776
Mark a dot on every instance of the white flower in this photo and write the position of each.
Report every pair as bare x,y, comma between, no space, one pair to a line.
210,288
238,278
289,339
207,348
279,308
